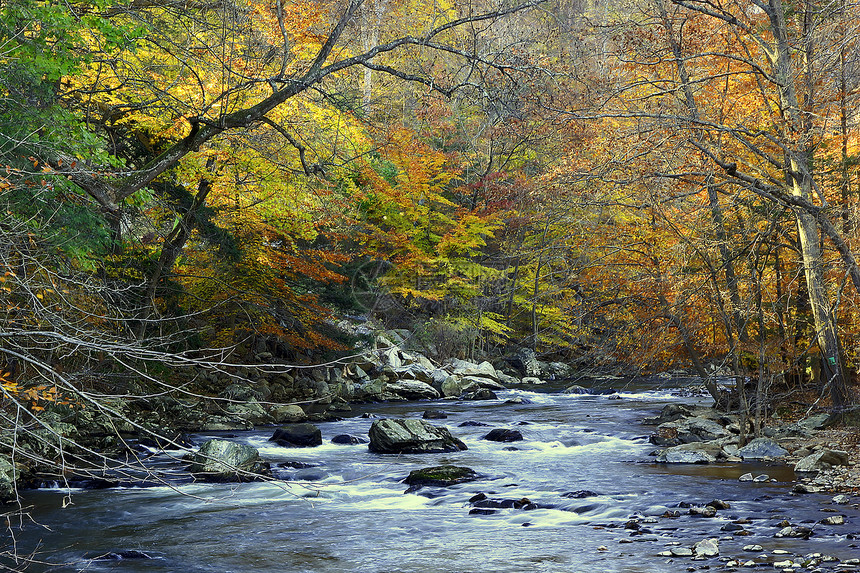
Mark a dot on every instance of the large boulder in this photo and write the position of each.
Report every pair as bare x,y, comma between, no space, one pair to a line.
688,430
411,436
288,413
761,448
223,460
412,390
482,370
525,361
250,411
297,436
456,385
821,460
415,372
669,413
693,453
484,382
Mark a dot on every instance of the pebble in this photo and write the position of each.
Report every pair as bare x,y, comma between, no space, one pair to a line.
841,499
753,548
781,552
603,548
746,477
761,478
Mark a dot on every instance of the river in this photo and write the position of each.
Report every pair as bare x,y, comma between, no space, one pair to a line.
583,461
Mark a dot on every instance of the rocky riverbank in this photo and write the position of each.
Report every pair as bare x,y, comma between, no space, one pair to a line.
68,443
824,457
270,393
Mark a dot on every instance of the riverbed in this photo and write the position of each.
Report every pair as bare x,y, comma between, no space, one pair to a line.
598,502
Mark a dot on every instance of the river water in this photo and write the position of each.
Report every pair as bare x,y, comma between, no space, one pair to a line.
347,510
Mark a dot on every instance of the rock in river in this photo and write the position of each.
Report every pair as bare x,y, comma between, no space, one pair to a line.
297,436
504,435
348,440
411,436
223,460
440,476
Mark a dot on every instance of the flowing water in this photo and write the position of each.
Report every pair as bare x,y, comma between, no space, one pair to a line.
347,510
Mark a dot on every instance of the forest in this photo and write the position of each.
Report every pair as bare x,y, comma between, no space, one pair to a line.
626,186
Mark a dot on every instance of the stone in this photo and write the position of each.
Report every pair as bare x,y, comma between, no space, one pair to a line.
687,430
224,460
440,476
681,552
297,436
814,422
820,461
434,415
795,532
754,548
760,448
833,520
482,370
525,361
707,548
804,488
411,436
484,382
504,435
480,394
288,414
694,453
413,390
457,386
761,478
746,477
348,440
706,511
841,499
250,410
576,389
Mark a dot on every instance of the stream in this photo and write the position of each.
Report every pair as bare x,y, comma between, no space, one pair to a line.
584,462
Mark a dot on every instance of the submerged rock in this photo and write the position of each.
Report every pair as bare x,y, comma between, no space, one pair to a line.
434,415
122,555
223,460
440,476
411,436
347,439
